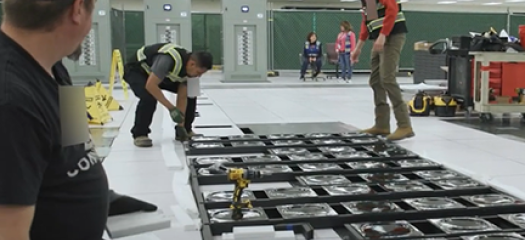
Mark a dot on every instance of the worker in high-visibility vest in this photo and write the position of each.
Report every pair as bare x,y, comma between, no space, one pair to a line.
165,66
385,24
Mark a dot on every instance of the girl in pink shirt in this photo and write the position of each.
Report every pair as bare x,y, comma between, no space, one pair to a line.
344,45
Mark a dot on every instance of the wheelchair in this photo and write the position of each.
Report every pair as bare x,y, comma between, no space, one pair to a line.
312,68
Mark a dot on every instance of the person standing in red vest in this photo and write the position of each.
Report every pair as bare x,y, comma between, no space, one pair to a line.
384,23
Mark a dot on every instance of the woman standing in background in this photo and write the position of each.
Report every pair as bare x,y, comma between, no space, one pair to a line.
344,45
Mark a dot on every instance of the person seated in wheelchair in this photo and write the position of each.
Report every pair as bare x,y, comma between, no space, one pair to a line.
312,55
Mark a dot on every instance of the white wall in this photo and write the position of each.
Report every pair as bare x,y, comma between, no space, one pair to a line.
214,6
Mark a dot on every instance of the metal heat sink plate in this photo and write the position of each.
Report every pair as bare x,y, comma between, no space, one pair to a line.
205,138
306,210
416,163
367,165
244,137
351,155
225,215
355,134
320,180
281,136
327,141
288,151
337,149
383,177
317,167
292,192
287,142
318,135
438,174
387,230
248,144
226,196
364,140
371,207
276,168
262,158
408,186
433,203
488,200
449,184
207,145
211,160
463,224
495,236
307,156
350,189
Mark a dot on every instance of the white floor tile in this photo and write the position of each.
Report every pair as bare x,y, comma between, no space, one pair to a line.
514,185
134,156
145,184
499,146
137,168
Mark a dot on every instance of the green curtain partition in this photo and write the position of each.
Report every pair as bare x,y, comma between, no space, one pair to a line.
118,36
291,28
134,30
515,22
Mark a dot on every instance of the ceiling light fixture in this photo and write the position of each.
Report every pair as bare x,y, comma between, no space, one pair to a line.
514,1
348,0
492,3
446,2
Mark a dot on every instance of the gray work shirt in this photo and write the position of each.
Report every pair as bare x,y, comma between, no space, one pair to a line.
162,66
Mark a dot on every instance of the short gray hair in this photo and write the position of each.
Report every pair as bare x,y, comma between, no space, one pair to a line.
37,14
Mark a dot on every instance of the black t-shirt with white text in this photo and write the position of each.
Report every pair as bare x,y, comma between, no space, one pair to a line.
67,185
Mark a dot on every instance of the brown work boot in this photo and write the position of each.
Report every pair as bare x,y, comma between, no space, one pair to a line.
377,131
143,141
193,134
401,133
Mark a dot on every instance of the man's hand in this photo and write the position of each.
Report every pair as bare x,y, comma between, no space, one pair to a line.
176,115
182,134
379,43
354,56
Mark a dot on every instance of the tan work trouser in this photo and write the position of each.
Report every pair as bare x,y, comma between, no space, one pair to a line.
383,82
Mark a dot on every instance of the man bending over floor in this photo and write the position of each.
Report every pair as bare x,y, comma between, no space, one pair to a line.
164,66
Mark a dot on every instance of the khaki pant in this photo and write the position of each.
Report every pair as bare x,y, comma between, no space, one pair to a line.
383,82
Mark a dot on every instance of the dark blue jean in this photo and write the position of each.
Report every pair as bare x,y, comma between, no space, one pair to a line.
345,66
306,62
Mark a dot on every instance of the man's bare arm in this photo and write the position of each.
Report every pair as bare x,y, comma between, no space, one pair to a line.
182,99
152,85
15,222
162,65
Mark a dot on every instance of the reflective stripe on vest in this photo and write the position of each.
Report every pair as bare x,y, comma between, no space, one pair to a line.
307,45
378,23
169,49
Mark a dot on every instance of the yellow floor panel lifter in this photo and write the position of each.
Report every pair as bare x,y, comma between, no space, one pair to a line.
242,178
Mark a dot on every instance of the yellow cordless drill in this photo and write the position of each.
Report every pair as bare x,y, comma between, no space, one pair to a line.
242,178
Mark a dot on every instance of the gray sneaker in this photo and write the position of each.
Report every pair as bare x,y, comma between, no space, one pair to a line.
143,141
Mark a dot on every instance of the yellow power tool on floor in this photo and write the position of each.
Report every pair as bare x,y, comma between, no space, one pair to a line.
242,178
